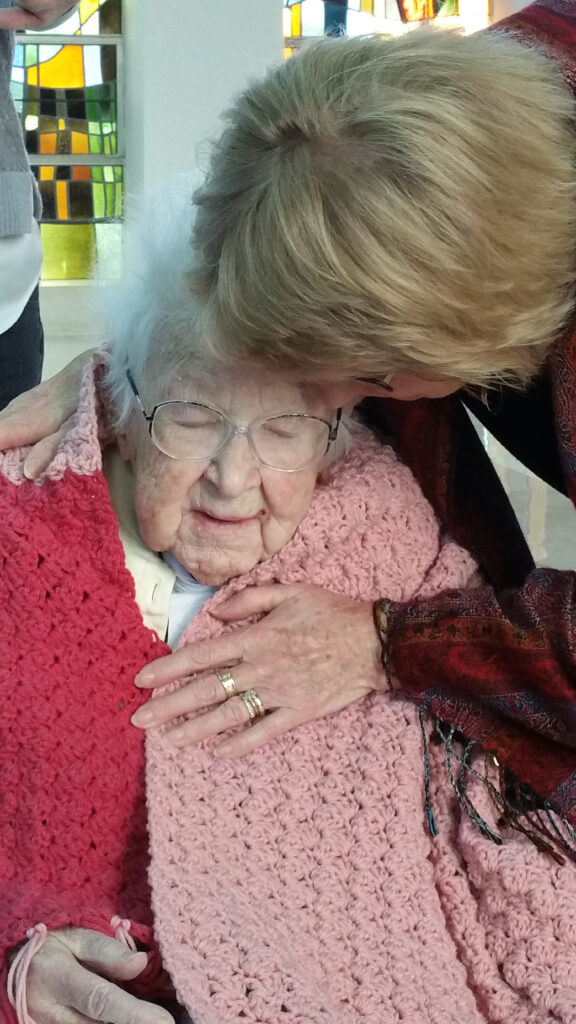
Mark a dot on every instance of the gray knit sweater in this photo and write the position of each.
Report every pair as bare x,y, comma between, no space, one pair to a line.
19,198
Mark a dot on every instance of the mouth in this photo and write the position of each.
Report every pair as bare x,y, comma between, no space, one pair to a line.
222,519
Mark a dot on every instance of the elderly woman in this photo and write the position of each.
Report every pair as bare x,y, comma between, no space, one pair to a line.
396,218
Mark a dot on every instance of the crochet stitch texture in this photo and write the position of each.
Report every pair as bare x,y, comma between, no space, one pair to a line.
73,840
300,884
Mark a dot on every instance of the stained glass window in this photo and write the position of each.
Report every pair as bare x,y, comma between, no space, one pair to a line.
306,18
65,87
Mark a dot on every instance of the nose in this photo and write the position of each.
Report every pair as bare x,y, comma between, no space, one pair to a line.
235,468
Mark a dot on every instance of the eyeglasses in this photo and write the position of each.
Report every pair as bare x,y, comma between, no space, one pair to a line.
193,432
381,382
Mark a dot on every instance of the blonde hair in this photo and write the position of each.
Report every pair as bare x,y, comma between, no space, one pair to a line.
402,204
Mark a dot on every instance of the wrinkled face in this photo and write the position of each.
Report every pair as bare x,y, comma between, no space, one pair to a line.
221,516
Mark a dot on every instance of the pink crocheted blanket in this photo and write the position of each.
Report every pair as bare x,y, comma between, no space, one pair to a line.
300,884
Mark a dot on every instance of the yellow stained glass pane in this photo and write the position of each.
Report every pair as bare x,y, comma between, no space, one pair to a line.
61,124
87,9
64,71
79,142
296,19
61,200
417,10
367,6
69,251
288,51
46,173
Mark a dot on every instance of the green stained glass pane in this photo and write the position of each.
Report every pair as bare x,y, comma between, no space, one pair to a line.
99,200
97,174
31,55
95,143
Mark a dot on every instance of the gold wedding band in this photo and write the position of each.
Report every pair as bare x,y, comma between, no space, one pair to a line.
253,704
228,683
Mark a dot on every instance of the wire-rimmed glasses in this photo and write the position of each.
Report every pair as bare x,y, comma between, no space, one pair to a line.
195,432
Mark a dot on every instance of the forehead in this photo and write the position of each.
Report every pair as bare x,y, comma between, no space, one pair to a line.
243,389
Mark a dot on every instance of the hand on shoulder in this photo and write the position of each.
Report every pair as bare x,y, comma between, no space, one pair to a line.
42,416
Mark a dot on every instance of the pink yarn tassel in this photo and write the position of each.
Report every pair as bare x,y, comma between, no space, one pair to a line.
18,973
122,926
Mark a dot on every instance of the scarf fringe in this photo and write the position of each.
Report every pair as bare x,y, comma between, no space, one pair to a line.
517,805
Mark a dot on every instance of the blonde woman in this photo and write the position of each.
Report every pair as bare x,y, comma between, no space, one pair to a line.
396,219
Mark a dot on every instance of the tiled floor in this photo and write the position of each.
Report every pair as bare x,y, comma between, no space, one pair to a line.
72,324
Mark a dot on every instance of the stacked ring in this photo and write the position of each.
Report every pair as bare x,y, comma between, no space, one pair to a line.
253,703
228,683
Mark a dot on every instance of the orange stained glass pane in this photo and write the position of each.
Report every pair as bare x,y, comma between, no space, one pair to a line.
296,13
46,173
81,173
64,71
61,200
48,142
79,142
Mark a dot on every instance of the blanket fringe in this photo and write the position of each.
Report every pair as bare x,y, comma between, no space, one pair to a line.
517,805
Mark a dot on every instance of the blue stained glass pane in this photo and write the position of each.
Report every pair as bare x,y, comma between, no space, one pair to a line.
19,56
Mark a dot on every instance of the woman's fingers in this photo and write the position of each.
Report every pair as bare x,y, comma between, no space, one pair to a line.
102,953
252,601
101,1000
201,693
224,652
42,411
60,987
229,715
42,453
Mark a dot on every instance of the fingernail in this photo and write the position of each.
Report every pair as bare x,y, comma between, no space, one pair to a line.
140,954
142,717
144,677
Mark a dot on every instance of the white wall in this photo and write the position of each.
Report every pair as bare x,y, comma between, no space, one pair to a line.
185,59
502,8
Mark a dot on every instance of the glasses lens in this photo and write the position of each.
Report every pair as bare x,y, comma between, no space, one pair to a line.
185,430
290,442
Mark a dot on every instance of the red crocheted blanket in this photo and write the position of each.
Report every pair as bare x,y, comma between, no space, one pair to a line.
72,808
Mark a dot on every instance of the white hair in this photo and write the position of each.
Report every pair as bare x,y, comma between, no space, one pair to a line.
150,314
